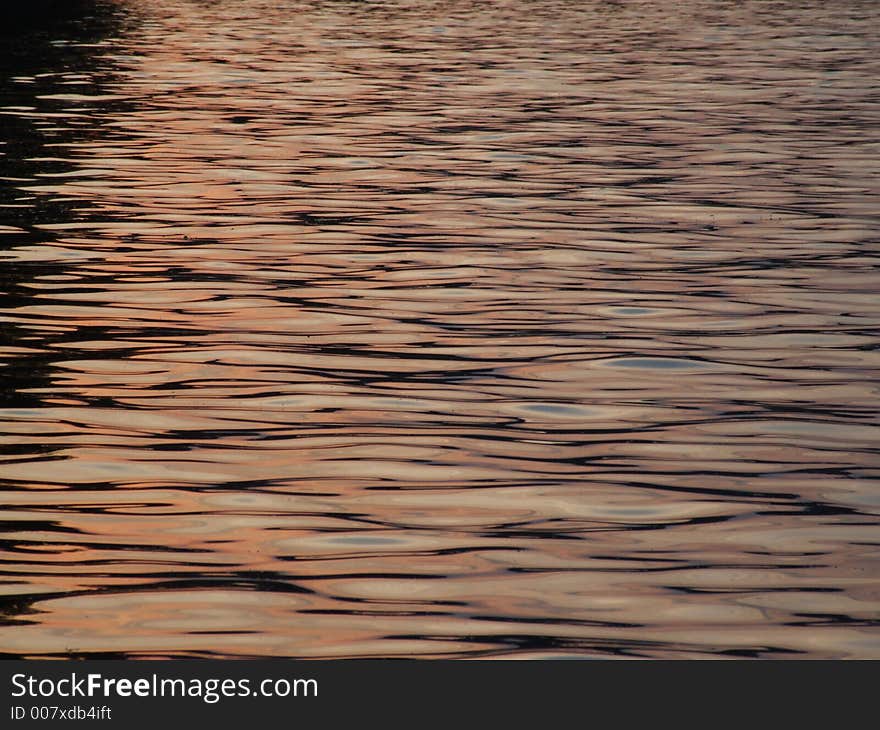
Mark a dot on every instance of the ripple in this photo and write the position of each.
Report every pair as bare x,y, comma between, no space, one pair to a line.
334,330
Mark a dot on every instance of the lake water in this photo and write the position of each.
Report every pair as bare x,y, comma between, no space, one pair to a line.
374,329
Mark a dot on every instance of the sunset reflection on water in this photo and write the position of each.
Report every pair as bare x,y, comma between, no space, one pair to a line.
533,329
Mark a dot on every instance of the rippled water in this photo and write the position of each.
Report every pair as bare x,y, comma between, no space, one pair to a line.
531,328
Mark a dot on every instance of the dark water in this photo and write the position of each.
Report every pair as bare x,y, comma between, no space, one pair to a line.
529,328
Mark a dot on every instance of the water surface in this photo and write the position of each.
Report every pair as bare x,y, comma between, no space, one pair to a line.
516,329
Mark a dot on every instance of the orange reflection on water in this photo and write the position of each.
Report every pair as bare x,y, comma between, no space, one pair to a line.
344,329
